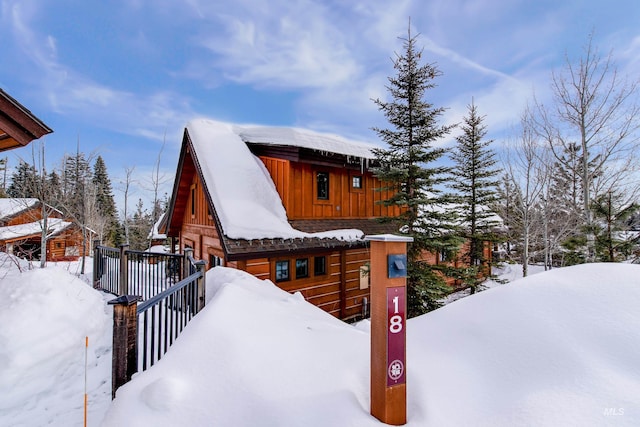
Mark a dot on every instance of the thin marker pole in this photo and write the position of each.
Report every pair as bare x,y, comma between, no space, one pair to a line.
86,348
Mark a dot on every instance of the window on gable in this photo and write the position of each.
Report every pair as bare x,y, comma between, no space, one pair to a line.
302,268
282,270
322,185
193,200
320,266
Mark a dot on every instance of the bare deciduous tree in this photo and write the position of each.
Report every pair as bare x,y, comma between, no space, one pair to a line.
527,166
596,109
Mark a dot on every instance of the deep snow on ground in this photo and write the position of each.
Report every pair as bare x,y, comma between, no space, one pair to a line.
557,348
45,317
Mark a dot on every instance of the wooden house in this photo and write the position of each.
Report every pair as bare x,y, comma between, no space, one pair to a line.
18,126
284,204
21,230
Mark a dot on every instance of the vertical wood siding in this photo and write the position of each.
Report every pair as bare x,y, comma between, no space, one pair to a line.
295,183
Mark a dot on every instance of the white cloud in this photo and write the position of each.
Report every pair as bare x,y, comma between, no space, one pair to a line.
73,94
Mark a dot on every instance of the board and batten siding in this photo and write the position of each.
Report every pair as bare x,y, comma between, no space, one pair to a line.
296,185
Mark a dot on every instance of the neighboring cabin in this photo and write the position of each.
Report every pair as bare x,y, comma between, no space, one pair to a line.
21,231
283,204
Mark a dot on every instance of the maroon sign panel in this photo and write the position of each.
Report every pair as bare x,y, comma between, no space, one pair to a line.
396,342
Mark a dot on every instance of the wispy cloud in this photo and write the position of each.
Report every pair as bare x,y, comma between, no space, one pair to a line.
75,95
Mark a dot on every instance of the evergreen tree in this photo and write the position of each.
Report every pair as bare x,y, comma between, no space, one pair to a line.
105,202
76,175
407,171
23,181
473,178
612,214
54,186
140,227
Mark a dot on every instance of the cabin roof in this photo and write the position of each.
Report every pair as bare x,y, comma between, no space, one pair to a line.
244,196
13,206
32,229
18,125
237,249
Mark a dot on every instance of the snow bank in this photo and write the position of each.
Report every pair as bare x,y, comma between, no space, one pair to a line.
256,356
557,348
45,315
246,199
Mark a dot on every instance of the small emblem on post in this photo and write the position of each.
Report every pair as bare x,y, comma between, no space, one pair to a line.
396,369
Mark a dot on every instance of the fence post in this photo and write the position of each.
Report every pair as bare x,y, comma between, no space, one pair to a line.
125,340
202,268
186,266
97,264
123,286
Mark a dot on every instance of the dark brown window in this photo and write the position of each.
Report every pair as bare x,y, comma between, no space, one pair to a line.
322,185
302,268
320,266
193,200
356,182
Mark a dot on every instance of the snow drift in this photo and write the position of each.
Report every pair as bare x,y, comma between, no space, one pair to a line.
557,348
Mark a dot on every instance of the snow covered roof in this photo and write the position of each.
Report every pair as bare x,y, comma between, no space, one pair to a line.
54,226
245,197
155,231
303,138
12,206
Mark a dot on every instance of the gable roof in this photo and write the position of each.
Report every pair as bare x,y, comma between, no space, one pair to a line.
18,125
245,204
13,206
33,229
242,192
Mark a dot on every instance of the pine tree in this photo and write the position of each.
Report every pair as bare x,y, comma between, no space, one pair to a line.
611,214
473,178
23,181
105,202
407,171
55,189
76,175
141,225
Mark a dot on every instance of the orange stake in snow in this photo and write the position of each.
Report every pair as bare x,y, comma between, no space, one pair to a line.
86,348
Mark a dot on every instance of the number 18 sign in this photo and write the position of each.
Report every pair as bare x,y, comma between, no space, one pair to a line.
396,303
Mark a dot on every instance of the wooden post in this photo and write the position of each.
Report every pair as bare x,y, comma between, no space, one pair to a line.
388,327
201,266
123,286
125,340
97,264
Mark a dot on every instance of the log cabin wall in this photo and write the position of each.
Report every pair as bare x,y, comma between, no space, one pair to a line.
297,185
330,280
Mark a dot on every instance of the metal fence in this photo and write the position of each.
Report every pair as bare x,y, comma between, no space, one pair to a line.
143,333
128,272
106,269
150,274
163,317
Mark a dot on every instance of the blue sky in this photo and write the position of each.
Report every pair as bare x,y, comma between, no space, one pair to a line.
122,76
